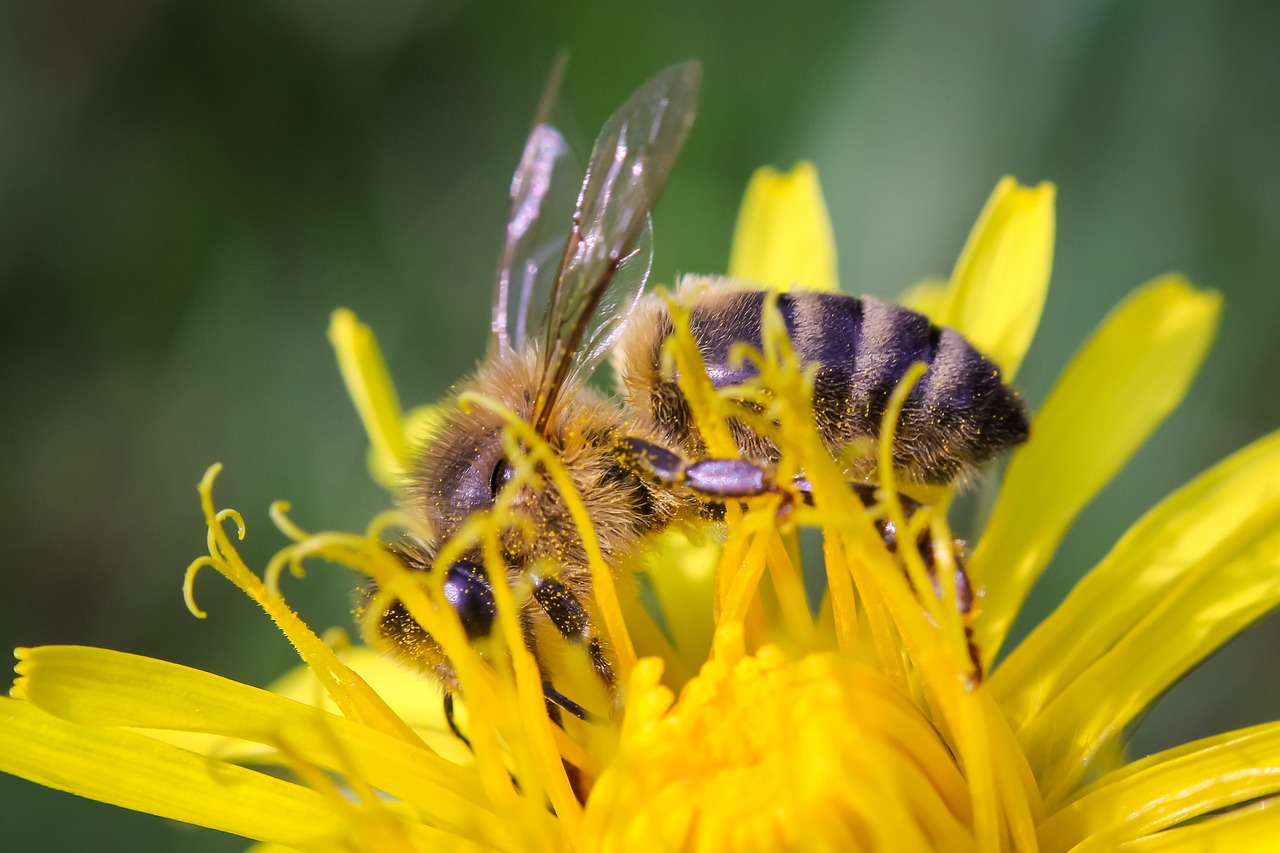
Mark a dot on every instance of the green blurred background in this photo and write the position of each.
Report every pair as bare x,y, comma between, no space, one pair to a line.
188,189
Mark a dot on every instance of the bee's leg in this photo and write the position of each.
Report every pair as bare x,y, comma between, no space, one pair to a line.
570,618
559,700
531,641
713,478
964,591
452,722
601,662
866,492
573,622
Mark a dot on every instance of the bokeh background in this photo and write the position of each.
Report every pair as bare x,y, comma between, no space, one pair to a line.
188,189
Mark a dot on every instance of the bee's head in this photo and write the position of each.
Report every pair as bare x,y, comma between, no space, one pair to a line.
461,469
462,466
466,466
468,591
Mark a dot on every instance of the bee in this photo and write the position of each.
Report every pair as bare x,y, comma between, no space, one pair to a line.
642,466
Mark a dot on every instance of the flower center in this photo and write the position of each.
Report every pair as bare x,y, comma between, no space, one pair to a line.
763,751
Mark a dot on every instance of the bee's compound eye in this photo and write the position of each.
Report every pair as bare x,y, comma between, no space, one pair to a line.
502,474
467,589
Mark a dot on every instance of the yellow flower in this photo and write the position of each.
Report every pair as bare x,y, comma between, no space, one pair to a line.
752,719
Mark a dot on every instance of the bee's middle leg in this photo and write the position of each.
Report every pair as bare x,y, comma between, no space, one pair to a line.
866,493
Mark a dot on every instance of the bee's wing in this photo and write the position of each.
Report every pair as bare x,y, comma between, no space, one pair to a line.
527,248
606,260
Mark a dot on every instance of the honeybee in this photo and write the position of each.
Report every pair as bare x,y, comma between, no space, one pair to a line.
642,466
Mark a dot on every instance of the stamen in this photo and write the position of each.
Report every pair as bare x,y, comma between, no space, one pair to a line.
349,692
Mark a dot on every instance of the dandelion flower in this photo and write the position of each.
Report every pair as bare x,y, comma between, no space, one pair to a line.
751,717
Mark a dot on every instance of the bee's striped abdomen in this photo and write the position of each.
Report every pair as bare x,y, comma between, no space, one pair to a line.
958,415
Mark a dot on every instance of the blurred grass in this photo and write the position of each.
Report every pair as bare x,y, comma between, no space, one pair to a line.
187,190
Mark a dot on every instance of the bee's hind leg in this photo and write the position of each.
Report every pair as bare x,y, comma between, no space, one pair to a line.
866,492
573,622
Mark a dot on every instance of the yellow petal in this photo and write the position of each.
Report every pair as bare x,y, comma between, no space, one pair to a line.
106,688
1130,374
928,297
1229,588
1252,828
998,287
783,237
1168,788
414,698
133,771
368,382
1155,555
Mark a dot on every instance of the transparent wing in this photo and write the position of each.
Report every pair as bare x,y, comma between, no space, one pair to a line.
606,259
529,247
618,301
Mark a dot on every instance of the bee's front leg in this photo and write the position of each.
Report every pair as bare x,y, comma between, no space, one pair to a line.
712,478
